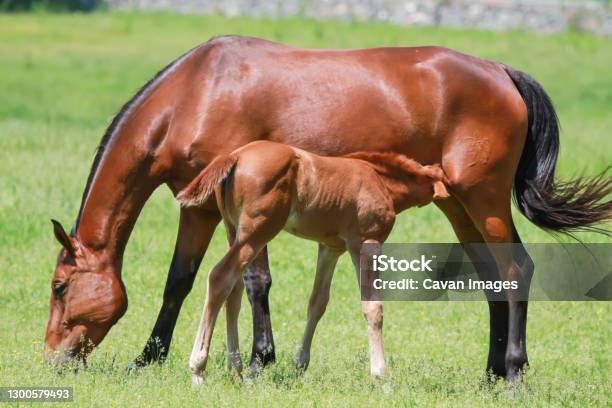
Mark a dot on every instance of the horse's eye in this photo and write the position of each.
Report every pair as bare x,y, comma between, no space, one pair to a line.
59,289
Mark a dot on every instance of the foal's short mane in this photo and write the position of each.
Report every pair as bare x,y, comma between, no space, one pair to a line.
389,163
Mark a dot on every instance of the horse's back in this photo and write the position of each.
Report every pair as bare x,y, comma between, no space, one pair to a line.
334,102
341,101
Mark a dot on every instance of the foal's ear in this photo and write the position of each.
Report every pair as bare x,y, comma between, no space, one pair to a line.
63,237
440,191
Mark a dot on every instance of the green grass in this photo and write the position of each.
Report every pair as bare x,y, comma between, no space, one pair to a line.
62,77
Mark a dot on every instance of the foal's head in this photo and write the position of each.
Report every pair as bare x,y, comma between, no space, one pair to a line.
87,299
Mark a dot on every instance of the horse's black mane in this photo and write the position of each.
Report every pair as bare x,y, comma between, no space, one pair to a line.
111,130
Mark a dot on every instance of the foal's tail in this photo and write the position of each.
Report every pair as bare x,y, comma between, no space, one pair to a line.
564,207
202,187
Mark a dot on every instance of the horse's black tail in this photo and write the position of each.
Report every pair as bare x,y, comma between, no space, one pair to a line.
564,207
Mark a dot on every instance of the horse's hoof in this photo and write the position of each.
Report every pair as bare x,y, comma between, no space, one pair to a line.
259,361
489,380
300,369
254,370
135,366
513,379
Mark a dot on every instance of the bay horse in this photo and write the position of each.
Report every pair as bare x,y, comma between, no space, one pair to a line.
493,129
339,202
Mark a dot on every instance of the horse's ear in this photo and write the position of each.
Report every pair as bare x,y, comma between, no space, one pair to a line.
63,237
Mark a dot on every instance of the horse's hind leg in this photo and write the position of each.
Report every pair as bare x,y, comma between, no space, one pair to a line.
480,160
516,354
467,233
489,208
258,281
326,263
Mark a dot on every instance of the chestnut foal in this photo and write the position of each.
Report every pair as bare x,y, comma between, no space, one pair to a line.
340,202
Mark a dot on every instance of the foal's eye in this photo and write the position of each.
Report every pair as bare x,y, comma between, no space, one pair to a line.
59,289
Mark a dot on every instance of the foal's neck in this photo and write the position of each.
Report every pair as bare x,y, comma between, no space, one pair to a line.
407,181
403,190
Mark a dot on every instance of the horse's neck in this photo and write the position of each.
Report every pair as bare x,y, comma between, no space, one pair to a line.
121,183
128,170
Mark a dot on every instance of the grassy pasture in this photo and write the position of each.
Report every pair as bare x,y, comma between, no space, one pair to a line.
62,77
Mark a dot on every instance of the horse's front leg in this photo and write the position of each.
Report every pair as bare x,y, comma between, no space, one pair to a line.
257,280
196,228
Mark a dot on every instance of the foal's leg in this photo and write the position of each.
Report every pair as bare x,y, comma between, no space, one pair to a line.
251,238
232,310
326,263
196,228
373,313
221,281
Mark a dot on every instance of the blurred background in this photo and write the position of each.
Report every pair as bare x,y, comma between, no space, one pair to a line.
547,16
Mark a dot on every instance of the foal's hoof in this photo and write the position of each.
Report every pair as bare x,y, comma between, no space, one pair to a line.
302,360
197,380
379,373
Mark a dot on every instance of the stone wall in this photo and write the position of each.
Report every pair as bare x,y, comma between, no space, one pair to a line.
545,16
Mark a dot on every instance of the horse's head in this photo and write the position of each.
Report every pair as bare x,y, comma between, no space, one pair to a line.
87,299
